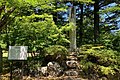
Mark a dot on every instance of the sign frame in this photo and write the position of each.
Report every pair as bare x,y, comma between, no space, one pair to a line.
17,53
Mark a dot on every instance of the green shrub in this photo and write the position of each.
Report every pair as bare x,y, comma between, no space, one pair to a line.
99,60
55,49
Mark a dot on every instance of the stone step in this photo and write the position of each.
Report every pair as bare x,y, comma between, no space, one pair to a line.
72,64
60,78
72,78
72,54
71,72
72,58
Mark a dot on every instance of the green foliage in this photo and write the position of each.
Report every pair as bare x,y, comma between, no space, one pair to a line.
99,60
35,31
111,40
111,9
86,1
107,70
80,1
1,41
116,41
38,31
106,39
56,49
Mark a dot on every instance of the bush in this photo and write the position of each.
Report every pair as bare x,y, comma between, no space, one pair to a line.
55,53
56,49
99,60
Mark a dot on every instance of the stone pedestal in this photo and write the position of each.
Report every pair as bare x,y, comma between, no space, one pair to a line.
72,58
72,65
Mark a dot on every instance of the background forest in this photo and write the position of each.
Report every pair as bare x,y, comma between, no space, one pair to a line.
44,26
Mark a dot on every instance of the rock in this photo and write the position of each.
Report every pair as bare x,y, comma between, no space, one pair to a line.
50,64
104,78
34,73
72,78
44,71
57,57
72,58
72,54
72,64
71,72
69,78
54,69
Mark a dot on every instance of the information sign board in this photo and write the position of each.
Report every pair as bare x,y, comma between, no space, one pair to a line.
17,53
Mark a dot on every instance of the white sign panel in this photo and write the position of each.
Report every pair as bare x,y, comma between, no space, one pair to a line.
17,53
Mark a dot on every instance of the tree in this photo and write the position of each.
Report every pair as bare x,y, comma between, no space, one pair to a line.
5,14
116,41
0,60
80,25
35,27
96,20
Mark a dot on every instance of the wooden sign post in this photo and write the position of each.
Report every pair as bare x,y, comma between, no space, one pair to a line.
17,53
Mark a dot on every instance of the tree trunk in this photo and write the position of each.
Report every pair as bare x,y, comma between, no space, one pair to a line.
81,25
96,21
55,13
5,18
0,59
72,32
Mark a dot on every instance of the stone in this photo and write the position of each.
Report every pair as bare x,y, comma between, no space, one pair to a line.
71,72
44,71
72,58
72,78
34,73
54,69
72,54
56,57
69,78
72,64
